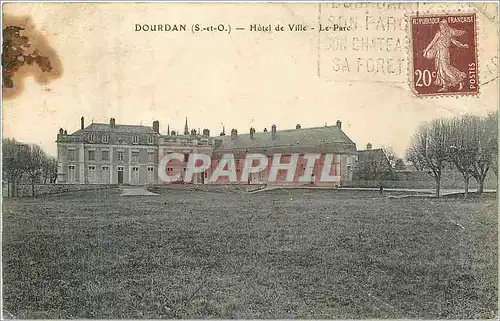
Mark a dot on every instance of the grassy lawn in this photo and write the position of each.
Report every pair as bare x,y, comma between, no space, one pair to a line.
282,254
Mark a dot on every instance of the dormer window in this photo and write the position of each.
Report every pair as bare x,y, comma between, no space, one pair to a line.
105,138
136,140
150,139
91,137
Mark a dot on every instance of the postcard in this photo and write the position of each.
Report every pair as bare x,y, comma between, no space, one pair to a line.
251,160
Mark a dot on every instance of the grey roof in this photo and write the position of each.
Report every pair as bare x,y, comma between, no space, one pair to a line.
291,137
99,127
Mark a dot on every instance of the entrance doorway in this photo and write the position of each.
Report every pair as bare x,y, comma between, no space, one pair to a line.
120,175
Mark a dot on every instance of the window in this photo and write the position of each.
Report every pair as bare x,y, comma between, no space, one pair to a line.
91,174
135,157
105,155
91,137
151,173
150,139
136,140
71,173
119,155
71,154
105,175
135,174
91,155
105,138
151,156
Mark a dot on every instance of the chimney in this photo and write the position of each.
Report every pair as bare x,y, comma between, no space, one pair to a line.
339,124
368,146
82,123
65,132
252,132
234,134
273,131
61,131
297,126
206,132
156,126
223,133
112,122
193,132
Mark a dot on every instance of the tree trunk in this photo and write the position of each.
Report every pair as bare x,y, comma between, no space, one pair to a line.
480,183
32,189
8,189
438,186
466,179
481,186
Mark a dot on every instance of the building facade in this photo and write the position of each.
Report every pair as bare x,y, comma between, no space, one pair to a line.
134,155
108,154
190,142
337,153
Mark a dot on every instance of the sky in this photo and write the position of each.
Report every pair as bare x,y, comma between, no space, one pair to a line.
237,80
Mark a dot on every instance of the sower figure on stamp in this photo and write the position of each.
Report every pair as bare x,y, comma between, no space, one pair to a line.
439,50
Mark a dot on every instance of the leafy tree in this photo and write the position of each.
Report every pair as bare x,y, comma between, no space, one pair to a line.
373,165
14,157
399,165
35,165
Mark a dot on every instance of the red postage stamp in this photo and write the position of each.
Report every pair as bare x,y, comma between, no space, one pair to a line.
444,55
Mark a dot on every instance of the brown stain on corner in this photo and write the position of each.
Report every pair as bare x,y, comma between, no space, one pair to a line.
26,52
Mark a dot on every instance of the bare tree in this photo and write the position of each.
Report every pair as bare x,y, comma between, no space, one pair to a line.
463,146
485,139
390,154
35,165
492,127
49,170
429,149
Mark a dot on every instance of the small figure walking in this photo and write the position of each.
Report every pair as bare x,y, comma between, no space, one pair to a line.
381,189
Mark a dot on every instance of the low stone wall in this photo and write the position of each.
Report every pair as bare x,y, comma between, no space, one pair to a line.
445,184
217,188
48,189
